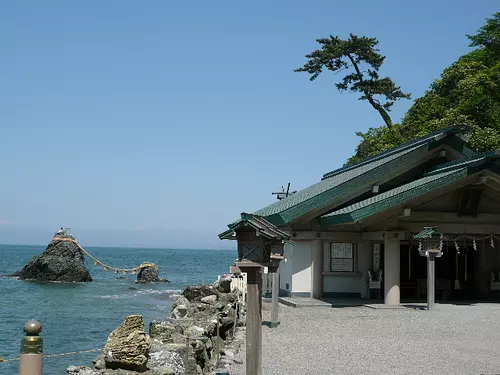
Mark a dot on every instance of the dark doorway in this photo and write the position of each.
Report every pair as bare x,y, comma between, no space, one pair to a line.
455,273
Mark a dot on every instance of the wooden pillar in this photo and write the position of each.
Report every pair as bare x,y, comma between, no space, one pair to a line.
254,320
276,291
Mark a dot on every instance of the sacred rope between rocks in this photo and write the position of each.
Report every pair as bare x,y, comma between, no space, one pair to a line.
107,267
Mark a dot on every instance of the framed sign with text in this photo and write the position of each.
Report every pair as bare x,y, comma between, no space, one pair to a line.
342,257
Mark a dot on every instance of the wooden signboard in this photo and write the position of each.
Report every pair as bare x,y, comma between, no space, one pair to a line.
342,255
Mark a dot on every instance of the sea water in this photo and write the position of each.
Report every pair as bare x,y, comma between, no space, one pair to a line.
79,316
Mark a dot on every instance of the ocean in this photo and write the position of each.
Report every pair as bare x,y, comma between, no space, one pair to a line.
79,316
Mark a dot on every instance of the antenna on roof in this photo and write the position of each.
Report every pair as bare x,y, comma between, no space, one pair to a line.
283,194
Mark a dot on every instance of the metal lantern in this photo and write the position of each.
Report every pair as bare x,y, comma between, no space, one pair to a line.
430,246
431,242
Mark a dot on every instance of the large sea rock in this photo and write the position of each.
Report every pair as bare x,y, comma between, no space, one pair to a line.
62,261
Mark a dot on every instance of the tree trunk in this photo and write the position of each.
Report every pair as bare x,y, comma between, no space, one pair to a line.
383,113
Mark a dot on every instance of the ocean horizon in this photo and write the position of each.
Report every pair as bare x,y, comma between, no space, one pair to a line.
80,316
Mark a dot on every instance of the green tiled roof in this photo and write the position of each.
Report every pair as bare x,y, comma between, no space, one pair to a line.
260,224
412,143
428,232
477,158
321,193
381,202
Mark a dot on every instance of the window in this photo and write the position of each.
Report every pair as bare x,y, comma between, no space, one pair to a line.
342,257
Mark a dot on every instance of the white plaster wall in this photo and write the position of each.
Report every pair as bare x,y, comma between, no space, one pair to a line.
345,283
286,268
301,266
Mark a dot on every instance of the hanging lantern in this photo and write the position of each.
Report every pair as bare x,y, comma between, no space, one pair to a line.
96,263
430,242
260,243
105,268
134,271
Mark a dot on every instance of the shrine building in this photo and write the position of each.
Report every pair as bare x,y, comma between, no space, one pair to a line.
352,234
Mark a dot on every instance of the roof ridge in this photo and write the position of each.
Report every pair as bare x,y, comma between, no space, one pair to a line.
389,193
446,131
461,161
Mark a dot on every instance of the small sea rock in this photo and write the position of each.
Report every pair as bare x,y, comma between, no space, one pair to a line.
148,275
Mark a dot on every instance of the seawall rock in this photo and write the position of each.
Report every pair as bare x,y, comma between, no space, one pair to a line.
128,346
195,293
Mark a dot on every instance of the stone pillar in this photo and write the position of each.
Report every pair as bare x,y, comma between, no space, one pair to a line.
391,271
317,269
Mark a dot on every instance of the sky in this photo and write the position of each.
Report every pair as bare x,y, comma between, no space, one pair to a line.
156,123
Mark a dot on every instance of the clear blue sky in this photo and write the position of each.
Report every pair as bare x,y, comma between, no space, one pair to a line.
161,121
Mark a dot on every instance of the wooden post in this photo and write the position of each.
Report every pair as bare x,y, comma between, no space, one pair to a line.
186,360
276,291
235,321
31,361
217,340
254,320
260,283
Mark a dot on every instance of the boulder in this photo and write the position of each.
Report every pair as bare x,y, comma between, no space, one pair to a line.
181,300
61,261
167,358
195,293
128,346
149,275
82,370
179,312
223,285
162,331
209,299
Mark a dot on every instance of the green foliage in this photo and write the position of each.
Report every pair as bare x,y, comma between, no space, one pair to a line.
467,93
360,56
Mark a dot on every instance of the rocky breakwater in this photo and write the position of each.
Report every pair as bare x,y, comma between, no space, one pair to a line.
200,336
61,261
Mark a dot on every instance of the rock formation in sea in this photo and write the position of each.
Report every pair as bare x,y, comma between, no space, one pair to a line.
150,274
61,261
201,329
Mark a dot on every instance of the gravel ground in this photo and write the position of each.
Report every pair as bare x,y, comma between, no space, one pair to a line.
453,339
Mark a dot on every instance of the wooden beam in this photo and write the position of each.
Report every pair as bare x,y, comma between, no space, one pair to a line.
339,236
450,217
456,228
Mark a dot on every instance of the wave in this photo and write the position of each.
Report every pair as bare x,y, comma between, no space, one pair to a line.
159,294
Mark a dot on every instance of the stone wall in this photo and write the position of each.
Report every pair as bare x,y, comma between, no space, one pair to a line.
199,337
